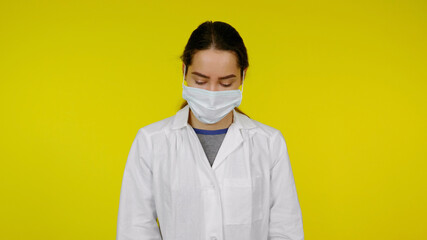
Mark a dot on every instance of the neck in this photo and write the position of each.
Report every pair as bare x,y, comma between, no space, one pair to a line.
223,123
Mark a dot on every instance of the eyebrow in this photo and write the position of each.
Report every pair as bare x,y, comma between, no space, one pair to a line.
221,78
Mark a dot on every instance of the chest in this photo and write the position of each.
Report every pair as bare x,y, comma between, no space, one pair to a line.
180,155
237,182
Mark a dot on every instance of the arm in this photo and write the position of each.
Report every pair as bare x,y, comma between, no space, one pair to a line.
285,211
137,212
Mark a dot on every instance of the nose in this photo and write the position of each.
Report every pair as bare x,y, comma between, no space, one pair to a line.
213,87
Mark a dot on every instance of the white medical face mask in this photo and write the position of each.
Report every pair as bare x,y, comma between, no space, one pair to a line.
211,106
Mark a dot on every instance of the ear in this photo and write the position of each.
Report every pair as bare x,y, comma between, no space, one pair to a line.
244,72
183,68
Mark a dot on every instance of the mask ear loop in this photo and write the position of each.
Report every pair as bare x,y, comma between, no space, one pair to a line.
243,80
183,77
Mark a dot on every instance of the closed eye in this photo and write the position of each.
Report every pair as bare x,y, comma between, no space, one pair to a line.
224,85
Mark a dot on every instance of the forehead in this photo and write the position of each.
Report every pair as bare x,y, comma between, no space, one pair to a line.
213,60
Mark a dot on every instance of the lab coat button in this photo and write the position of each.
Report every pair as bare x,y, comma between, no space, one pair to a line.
213,238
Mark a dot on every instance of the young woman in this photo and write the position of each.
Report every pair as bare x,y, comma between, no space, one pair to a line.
210,171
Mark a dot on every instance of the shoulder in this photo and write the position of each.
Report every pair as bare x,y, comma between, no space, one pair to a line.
263,129
274,137
155,128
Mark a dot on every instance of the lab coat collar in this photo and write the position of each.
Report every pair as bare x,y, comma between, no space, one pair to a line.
181,119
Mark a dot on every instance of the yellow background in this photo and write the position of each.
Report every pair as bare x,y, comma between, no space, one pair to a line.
345,82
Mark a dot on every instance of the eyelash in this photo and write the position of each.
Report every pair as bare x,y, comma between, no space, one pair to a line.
201,83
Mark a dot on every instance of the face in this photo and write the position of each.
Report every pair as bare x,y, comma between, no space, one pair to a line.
214,70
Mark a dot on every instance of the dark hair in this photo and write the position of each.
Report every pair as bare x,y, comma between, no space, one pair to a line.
218,35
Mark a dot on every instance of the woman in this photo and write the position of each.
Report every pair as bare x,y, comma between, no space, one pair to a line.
210,171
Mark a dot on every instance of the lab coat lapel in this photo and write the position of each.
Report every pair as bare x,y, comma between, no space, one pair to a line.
232,140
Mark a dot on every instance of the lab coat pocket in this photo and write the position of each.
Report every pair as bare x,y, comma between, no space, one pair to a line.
238,201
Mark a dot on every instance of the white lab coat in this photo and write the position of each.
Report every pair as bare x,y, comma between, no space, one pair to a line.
248,194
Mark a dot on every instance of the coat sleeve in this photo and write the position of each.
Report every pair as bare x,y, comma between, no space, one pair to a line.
285,212
137,212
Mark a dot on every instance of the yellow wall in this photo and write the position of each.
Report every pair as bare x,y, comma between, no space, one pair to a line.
345,81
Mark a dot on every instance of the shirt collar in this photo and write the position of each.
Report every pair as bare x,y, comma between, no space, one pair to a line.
181,119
